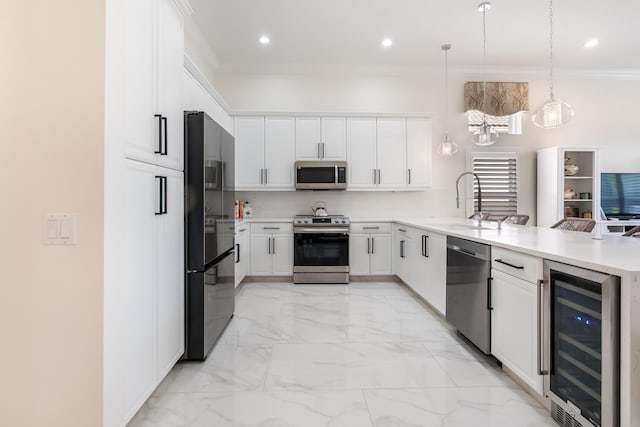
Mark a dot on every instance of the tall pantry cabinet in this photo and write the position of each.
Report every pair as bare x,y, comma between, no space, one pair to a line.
144,187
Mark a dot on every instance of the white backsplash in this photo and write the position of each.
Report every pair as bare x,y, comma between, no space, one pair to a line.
355,204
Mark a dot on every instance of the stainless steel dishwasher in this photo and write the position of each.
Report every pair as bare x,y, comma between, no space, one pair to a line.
469,290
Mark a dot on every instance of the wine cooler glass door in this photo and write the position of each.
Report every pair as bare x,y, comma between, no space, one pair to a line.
583,327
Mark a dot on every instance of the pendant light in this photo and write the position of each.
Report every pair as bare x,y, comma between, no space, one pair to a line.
484,135
447,147
553,113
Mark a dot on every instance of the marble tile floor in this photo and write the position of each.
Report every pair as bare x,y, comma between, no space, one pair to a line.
365,354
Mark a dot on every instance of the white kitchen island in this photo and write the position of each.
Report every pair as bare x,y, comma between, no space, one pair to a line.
613,254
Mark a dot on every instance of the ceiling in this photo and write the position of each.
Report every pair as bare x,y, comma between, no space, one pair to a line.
320,34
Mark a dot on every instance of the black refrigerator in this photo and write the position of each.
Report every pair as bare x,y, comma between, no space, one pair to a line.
209,232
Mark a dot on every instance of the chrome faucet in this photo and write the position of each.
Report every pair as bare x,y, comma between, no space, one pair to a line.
479,192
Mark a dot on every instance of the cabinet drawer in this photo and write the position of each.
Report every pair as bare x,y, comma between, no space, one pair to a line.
371,228
525,267
272,227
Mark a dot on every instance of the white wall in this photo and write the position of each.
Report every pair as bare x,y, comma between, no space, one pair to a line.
52,138
605,117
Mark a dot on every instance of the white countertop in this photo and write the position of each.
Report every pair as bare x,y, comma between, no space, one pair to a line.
613,254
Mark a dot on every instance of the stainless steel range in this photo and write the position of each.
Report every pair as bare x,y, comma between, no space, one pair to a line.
321,249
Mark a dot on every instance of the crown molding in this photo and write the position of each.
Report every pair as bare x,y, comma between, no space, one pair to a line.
206,84
467,72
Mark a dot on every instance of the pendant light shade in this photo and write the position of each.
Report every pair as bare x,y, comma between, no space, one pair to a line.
446,147
554,112
484,135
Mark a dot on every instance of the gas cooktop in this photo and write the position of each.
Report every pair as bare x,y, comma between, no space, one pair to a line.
308,220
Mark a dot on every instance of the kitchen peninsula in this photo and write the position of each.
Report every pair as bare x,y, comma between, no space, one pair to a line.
612,254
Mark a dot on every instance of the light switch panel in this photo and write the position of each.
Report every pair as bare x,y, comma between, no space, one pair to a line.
60,229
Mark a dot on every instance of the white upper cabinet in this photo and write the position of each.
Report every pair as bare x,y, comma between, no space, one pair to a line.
308,138
279,149
321,138
249,134
265,152
383,153
361,143
418,152
152,61
391,137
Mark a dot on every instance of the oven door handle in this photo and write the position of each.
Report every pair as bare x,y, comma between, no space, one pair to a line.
320,230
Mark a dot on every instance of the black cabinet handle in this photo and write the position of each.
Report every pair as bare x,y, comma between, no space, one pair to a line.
368,245
489,306
519,267
401,248
159,117
426,246
373,245
162,193
166,137
237,253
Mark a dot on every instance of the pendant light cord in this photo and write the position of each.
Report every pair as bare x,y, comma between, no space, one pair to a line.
484,65
551,48
446,90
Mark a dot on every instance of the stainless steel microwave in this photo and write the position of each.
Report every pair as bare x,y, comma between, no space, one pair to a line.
321,175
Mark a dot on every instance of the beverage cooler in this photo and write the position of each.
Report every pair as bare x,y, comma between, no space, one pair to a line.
580,345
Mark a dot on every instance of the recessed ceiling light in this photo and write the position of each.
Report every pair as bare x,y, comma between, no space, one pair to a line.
591,43
264,40
387,42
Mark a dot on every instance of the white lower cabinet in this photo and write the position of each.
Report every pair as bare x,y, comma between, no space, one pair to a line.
428,273
242,253
514,319
152,299
370,249
401,254
271,249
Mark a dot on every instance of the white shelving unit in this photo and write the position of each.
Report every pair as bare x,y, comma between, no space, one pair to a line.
552,183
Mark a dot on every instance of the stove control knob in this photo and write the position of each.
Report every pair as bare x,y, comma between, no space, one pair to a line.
306,221
343,221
